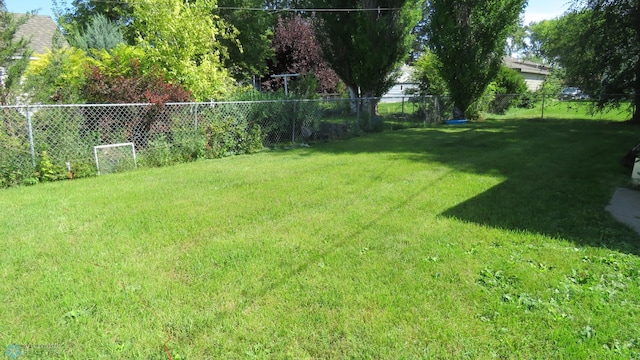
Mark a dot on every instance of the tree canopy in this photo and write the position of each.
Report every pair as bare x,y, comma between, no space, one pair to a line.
598,45
183,40
76,17
57,76
249,51
101,33
539,35
427,75
14,53
516,40
366,46
297,51
468,37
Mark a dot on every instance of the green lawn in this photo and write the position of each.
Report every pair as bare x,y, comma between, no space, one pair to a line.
487,240
556,109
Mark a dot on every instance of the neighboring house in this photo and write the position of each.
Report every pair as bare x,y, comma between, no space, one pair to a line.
403,83
41,29
533,73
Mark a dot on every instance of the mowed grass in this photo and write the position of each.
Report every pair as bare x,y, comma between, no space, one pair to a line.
487,240
557,109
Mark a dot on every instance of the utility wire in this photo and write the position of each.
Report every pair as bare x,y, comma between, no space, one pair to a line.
306,10
378,9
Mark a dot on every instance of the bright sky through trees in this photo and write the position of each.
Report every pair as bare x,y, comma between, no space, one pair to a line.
536,10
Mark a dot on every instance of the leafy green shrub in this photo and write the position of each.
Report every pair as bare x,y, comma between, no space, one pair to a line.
228,136
58,76
428,77
83,167
254,139
474,112
527,101
276,115
506,86
431,83
58,133
157,153
15,157
15,174
48,171
189,146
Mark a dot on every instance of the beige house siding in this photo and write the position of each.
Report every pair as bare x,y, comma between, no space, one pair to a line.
534,81
532,73
403,83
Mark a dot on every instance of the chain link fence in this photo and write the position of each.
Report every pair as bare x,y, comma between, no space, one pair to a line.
51,142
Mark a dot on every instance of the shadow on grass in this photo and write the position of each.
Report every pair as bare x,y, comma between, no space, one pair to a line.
560,173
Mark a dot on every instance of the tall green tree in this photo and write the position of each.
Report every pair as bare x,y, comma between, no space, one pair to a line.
14,53
516,39
427,75
297,52
598,45
468,37
183,40
77,16
57,77
366,46
538,36
419,45
250,50
101,33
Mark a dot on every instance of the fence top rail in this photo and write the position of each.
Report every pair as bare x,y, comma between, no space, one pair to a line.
215,103
208,103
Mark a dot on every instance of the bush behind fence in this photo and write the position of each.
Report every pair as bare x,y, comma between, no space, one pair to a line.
51,142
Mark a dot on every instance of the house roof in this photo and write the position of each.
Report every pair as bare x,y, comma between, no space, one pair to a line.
40,29
528,67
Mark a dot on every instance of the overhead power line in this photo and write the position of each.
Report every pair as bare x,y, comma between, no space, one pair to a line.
235,8
306,10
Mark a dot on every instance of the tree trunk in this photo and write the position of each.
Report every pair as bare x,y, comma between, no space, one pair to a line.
457,113
635,119
636,101
353,99
636,91
371,103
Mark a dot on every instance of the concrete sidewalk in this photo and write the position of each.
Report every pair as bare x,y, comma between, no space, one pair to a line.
625,207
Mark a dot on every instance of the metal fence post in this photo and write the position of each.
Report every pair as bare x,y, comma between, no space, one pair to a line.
30,130
371,110
195,122
293,123
358,105
424,107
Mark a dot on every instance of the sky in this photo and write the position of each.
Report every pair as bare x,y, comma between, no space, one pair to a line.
536,10
545,10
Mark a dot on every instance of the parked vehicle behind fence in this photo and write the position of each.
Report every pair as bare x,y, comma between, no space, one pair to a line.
571,93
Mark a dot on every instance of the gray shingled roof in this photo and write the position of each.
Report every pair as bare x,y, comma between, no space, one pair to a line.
526,66
40,29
